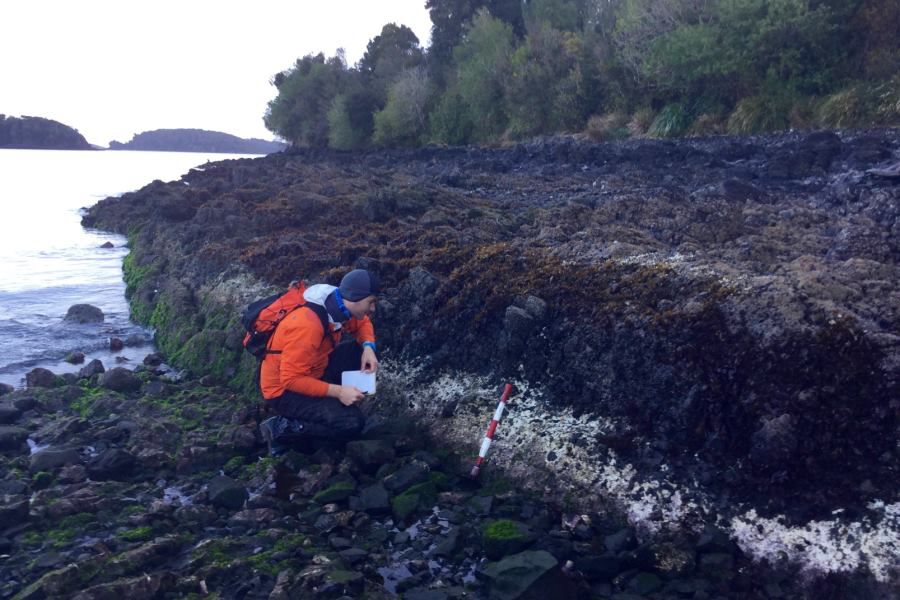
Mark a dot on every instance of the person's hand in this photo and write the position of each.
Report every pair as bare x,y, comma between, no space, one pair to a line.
369,362
350,395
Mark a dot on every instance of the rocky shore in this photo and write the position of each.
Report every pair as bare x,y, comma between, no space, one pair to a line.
134,484
701,332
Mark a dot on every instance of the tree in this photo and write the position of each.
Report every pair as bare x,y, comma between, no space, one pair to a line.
403,119
483,61
449,20
545,91
306,92
395,50
565,15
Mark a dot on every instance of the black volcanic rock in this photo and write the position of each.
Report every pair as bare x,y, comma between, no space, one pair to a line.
196,140
39,133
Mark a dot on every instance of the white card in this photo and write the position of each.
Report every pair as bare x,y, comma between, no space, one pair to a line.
364,381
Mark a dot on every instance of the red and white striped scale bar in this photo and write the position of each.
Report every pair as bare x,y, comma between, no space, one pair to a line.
492,427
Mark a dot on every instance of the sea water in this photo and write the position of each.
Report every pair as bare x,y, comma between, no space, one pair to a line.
48,261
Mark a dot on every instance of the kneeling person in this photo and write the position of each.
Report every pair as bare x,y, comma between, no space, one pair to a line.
301,372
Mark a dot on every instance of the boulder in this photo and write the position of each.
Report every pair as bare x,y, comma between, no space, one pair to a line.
114,463
11,437
9,414
84,313
53,458
504,537
115,344
374,499
407,476
120,379
95,367
227,493
369,455
75,358
5,388
530,574
40,378
135,340
13,511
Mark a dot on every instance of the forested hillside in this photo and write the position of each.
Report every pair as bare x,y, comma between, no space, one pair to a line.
39,133
499,70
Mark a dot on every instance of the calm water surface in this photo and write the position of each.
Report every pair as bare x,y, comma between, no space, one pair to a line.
48,262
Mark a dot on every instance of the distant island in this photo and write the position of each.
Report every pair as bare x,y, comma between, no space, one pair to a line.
39,133
196,140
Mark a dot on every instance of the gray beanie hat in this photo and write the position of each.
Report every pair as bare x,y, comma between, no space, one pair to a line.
359,284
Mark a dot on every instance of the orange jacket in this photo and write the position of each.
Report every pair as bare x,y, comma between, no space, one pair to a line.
304,353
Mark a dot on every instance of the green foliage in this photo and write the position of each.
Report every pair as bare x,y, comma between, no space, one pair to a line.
565,15
863,104
759,113
483,64
502,529
341,133
544,92
671,121
449,122
403,119
394,51
299,113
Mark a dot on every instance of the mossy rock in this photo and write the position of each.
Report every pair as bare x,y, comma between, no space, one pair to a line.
404,505
504,537
335,493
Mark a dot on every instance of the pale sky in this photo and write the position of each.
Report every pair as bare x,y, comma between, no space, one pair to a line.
114,68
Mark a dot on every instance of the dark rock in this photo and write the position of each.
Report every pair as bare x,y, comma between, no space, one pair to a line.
5,388
95,367
622,540
480,505
505,537
113,463
600,568
370,454
335,493
353,556
644,584
736,190
227,493
120,379
75,358
530,574
40,378
84,313
115,344
9,414
13,511
405,505
135,340
717,566
51,459
375,499
448,544
157,389
407,476
107,245
153,360
12,437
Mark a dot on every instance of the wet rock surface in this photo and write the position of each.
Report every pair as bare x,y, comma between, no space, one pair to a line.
190,514
722,311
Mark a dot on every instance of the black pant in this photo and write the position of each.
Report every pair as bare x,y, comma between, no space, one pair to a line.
326,418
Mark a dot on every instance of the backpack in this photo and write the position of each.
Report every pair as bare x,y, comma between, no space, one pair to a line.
262,317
